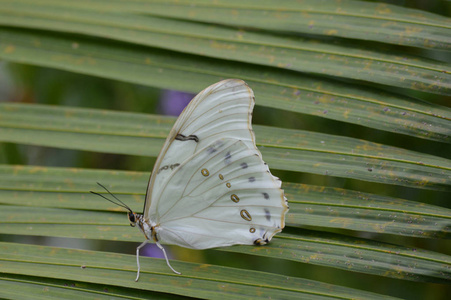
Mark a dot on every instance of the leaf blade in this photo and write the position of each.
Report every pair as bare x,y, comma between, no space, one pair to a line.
284,149
350,19
83,215
290,91
197,281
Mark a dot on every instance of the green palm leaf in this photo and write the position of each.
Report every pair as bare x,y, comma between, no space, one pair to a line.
106,269
259,48
367,207
82,215
273,88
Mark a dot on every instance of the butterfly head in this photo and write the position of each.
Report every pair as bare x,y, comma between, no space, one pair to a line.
133,218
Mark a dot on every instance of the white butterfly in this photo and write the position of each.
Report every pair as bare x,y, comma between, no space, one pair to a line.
209,186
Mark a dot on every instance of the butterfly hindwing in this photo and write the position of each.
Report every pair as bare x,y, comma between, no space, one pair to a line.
222,195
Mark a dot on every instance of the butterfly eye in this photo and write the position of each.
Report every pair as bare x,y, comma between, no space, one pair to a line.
132,219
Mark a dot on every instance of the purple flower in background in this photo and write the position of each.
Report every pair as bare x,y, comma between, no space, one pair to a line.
173,102
151,250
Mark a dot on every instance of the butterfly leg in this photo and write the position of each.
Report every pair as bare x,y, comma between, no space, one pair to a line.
137,257
166,257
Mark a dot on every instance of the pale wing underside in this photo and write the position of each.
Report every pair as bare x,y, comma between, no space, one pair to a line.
223,195
220,111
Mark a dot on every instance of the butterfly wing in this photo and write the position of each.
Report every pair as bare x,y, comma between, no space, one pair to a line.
221,196
209,186
222,110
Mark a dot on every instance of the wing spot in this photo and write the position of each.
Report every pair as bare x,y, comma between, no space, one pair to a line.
228,185
191,137
251,179
228,157
243,165
205,172
211,150
221,177
266,196
252,230
260,242
245,215
235,198
164,168
267,214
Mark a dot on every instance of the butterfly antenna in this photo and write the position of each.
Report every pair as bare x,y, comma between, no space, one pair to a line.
118,203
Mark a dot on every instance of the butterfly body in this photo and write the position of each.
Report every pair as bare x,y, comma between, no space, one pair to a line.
209,186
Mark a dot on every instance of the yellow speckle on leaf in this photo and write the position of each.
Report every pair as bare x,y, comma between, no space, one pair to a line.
380,227
344,222
68,113
69,183
388,24
204,266
17,169
104,228
239,35
309,210
412,30
74,170
383,9
218,45
37,169
9,49
397,272
116,208
331,32
346,114
314,257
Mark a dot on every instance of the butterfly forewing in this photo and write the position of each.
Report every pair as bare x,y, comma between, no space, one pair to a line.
220,111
